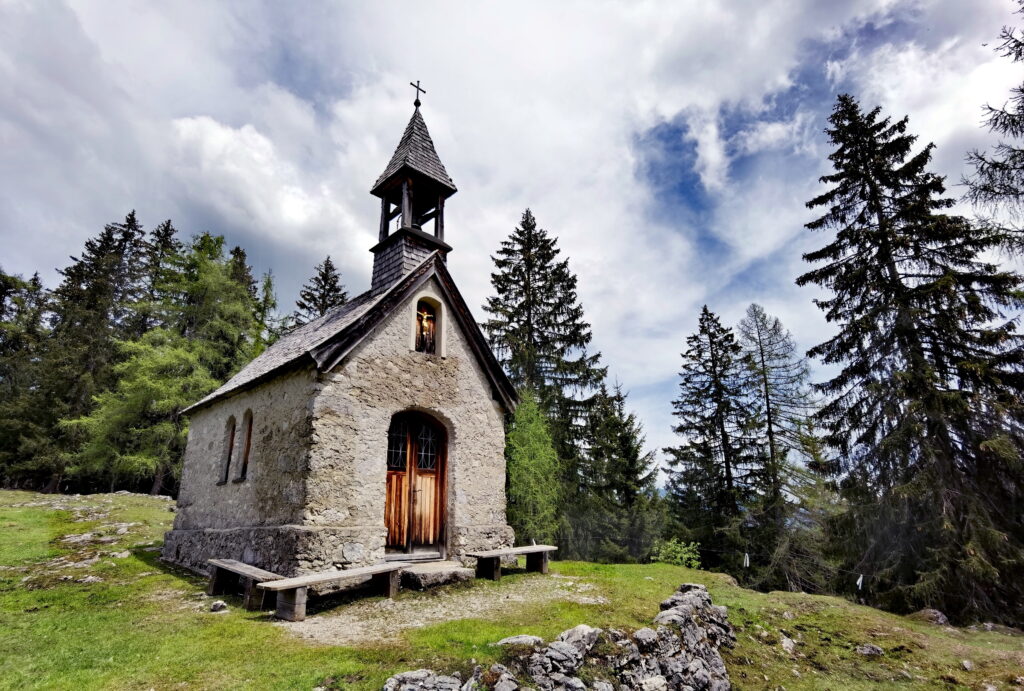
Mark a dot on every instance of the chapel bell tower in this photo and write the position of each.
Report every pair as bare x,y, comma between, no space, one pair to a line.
412,191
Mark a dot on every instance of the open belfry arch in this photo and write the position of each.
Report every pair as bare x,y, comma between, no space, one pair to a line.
374,433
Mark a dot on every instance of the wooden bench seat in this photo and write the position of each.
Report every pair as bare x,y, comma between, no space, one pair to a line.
291,592
225,573
488,563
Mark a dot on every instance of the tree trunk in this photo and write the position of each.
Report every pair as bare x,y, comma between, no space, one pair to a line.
158,482
53,486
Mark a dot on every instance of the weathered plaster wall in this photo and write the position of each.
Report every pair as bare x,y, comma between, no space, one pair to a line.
238,519
351,415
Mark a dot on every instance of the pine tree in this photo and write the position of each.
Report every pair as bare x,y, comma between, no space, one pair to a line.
23,331
712,478
90,309
926,407
136,431
537,330
321,293
780,377
532,464
623,493
998,179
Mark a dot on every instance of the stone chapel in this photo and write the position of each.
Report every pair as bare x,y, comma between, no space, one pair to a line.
375,432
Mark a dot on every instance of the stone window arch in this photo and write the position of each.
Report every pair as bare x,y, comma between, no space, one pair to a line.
427,327
229,449
243,471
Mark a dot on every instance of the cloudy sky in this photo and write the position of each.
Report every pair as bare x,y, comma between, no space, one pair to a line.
670,146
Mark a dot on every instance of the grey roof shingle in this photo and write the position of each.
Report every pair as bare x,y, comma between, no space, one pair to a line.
294,345
416,151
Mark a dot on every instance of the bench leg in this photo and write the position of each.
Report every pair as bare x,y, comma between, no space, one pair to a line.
291,604
253,597
386,584
537,561
489,567
220,581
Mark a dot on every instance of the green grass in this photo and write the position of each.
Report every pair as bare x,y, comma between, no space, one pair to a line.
147,626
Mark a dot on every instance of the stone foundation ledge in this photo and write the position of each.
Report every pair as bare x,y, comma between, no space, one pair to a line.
288,550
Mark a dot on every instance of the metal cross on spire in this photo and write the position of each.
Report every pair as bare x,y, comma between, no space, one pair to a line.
418,90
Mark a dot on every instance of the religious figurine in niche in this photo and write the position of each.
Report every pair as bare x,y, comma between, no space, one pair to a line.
426,325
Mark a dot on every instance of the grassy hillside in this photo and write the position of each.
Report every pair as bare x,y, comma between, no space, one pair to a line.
101,611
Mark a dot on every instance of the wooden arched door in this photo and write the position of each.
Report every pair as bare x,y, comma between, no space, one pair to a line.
415,501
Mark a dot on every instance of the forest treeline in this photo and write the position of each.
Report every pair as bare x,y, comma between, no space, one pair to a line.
899,479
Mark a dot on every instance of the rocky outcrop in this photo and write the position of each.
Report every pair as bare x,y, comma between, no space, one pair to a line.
680,652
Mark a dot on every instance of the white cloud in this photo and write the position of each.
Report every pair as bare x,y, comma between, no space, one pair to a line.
270,123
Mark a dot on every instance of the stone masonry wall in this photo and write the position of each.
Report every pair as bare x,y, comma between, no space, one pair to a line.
351,415
252,519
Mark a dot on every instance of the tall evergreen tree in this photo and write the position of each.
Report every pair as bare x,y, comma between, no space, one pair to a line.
926,406
321,293
137,431
91,308
780,378
623,494
538,332
23,331
998,178
531,466
712,478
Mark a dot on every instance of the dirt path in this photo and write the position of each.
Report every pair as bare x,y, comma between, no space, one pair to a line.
384,620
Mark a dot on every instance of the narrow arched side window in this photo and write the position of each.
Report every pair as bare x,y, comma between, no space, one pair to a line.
229,448
426,327
246,446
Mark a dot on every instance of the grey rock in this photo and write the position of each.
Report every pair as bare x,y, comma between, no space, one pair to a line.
581,637
218,606
658,683
967,665
869,650
789,645
932,615
521,639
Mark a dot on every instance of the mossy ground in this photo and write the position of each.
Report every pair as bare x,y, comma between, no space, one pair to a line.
146,625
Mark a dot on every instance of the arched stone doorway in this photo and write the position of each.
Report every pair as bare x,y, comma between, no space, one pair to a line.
414,507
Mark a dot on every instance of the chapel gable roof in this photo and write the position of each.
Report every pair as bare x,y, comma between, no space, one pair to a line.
416,151
327,341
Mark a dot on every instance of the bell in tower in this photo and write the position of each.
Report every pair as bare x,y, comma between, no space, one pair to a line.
412,191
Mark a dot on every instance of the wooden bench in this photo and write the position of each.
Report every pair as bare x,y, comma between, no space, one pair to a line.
226,573
291,592
488,564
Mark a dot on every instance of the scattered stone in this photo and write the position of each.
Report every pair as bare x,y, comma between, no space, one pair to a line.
932,616
78,539
788,615
967,665
522,639
789,645
219,606
122,531
582,638
121,555
869,650
1018,681
90,579
681,652
423,679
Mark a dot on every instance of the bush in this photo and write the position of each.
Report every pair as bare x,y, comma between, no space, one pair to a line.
677,552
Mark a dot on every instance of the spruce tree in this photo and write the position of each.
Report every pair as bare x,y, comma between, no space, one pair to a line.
623,494
926,406
23,331
137,432
538,332
712,479
91,308
321,293
532,468
998,179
